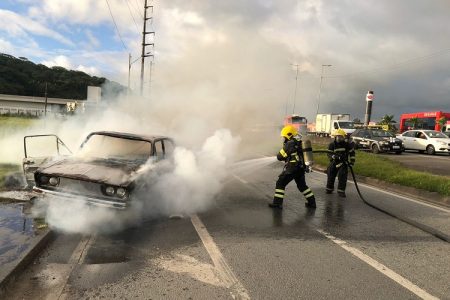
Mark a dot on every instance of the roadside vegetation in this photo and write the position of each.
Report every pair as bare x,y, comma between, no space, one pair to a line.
379,167
16,122
6,169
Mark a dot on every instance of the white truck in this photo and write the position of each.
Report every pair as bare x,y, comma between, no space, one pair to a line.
327,123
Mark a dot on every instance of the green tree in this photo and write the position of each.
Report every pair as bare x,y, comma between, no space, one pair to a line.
389,121
415,121
442,121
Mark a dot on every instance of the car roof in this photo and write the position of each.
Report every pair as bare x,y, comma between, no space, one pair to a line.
126,135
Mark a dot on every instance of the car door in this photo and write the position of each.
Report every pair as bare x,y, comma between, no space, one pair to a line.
407,138
421,141
40,149
365,139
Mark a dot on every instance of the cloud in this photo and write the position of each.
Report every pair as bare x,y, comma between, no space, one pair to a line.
93,41
16,26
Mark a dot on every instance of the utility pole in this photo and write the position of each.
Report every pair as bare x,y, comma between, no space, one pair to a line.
320,88
144,43
295,91
45,106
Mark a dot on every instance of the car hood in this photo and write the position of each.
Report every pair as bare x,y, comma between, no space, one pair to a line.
117,173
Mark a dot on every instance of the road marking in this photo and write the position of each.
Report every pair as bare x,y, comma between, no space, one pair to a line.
230,280
397,195
380,267
240,179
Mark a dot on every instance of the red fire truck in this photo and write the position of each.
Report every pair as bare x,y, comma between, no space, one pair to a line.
427,120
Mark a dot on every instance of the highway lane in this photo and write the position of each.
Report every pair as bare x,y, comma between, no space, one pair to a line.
342,250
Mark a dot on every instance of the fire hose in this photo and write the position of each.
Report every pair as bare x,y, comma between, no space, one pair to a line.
425,228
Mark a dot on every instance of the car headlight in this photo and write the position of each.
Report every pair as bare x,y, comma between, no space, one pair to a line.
121,192
53,181
109,191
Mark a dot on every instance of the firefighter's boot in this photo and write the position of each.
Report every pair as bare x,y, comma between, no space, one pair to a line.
277,203
277,198
341,193
329,190
310,203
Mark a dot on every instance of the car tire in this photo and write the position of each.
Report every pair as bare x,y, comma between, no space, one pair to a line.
430,150
375,149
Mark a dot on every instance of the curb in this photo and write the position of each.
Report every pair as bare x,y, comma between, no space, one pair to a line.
25,259
417,194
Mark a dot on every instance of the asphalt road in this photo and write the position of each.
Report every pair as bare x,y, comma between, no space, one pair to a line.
241,248
438,164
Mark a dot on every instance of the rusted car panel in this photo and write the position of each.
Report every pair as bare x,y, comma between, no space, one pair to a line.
103,171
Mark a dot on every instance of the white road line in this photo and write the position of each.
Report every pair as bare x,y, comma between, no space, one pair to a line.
380,267
397,195
240,179
230,280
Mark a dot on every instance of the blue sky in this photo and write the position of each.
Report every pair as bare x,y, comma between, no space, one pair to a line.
244,50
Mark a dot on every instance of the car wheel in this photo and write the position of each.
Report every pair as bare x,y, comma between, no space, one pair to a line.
375,149
430,149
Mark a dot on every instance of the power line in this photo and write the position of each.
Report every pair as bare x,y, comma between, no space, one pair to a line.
138,9
115,24
132,16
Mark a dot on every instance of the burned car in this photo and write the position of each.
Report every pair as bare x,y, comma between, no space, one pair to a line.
101,173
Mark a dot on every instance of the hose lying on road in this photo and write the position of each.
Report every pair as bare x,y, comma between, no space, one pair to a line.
423,227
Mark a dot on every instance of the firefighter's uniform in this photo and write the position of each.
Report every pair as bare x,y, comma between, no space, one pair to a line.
341,153
294,169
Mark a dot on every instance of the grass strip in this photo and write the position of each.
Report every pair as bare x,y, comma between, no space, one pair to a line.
16,122
379,167
5,169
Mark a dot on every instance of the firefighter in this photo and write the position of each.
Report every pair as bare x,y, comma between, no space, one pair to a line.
294,169
339,152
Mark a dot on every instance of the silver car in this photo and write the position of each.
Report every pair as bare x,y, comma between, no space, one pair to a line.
430,141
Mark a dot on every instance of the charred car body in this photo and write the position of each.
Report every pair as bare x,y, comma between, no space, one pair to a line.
377,140
101,173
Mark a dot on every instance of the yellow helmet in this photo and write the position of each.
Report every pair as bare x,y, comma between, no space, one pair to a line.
339,131
288,131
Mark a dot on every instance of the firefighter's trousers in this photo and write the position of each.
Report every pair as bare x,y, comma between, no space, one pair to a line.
283,181
339,170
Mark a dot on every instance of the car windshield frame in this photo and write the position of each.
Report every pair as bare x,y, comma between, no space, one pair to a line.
133,153
375,133
352,124
433,134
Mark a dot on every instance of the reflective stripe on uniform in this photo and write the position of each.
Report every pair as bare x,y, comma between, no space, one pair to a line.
309,195
279,191
339,150
351,150
306,191
293,160
279,195
342,191
352,158
339,165
283,153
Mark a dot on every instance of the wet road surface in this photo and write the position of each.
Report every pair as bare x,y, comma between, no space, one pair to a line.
241,248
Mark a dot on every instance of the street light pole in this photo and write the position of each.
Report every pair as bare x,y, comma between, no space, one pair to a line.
295,91
320,87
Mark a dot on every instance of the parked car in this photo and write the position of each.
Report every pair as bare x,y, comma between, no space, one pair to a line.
431,141
377,140
101,173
